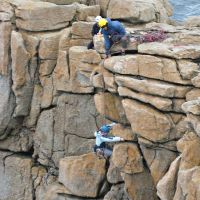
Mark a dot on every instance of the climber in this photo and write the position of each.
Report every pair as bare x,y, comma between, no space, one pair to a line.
113,32
95,30
101,139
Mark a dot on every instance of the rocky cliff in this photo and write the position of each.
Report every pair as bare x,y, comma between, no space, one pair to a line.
54,94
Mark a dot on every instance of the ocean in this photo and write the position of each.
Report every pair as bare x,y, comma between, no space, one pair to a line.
185,8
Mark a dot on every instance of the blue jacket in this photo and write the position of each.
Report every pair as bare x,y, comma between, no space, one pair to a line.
114,27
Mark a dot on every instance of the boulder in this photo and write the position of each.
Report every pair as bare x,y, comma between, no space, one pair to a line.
166,187
194,122
147,66
82,30
147,122
187,69
130,161
34,16
139,11
193,94
189,146
170,50
75,170
188,184
158,161
83,11
152,87
192,107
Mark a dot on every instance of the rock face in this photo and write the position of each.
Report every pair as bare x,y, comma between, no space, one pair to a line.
33,16
75,170
137,11
16,182
55,93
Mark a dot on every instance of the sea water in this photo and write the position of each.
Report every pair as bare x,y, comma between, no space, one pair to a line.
185,8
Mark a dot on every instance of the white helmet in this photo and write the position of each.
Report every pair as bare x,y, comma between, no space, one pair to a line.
97,18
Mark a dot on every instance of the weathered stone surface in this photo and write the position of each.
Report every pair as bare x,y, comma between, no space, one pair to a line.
75,145
111,107
82,62
124,132
65,38
61,76
189,146
83,11
74,171
192,107
196,81
152,87
143,186
47,95
5,33
16,180
113,174
18,141
194,121
34,16
131,162
104,7
166,187
188,184
158,161
80,115
147,66
82,54
82,30
49,45
22,80
66,2
160,103
6,11
192,21
193,94
7,105
117,192
137,11
35,106
170,50
46,67
187,69
43,138
150,123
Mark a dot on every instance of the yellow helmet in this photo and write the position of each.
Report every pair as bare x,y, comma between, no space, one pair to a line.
102,23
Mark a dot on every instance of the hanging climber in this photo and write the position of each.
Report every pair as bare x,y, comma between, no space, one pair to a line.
95,30
113,32
101,139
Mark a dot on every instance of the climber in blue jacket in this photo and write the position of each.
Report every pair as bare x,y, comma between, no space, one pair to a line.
101,139
113,32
